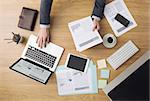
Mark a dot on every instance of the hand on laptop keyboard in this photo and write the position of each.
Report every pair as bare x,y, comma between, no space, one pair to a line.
43,37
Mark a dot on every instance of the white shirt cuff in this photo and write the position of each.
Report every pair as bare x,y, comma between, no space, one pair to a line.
95,17
44,26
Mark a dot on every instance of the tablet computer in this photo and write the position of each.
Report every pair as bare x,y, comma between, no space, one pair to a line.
77,62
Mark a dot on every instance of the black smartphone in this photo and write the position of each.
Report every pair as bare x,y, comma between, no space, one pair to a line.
122,20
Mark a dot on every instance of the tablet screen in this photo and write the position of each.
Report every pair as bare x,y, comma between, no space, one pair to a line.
77,63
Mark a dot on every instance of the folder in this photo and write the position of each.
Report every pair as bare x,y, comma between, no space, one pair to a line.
71,82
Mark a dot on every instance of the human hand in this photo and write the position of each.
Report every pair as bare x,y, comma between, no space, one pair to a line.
43,37
96,25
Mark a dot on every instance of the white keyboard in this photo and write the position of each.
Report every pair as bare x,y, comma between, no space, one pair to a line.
122,54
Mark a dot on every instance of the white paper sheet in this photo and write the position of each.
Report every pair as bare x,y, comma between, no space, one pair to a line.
83,35
65,82
72,81
111,10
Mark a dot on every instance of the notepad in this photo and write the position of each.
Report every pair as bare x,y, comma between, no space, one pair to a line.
101,63
105,73
102,84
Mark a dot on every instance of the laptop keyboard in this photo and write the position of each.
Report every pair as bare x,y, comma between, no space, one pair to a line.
40,56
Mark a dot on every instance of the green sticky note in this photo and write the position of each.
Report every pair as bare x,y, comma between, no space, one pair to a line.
102,83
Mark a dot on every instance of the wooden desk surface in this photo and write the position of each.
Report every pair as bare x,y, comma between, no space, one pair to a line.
16,87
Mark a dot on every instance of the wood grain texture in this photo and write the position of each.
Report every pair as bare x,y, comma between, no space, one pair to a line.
16,87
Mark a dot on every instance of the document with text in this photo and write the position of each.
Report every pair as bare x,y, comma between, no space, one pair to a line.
70,82
111,10
83,35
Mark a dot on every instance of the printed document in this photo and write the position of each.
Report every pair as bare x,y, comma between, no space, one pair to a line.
83,35
71,81
111,10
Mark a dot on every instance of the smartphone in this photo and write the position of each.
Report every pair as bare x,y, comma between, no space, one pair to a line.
122,20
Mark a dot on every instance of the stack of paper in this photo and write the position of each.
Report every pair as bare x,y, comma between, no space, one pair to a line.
71,81
111,10
83,35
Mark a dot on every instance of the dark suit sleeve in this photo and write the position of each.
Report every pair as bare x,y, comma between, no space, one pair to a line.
45,9
99,8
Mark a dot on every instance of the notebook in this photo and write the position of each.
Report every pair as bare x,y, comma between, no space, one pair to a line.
70,82
83,35
27,19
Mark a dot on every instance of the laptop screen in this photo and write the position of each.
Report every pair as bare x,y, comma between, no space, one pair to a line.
135,87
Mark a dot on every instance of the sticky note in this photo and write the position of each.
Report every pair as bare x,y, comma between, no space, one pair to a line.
101,63
102,83
105,73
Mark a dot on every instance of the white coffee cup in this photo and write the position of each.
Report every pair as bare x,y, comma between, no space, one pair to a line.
109,40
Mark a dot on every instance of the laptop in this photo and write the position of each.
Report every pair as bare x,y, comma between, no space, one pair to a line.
133,83
38,63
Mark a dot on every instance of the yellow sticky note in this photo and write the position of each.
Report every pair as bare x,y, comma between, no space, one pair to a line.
101,63
102,83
